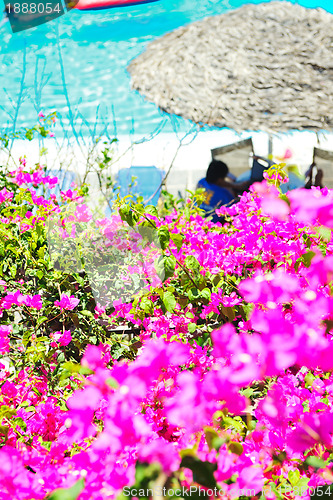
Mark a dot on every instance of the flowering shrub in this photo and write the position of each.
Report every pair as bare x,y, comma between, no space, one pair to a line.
215,373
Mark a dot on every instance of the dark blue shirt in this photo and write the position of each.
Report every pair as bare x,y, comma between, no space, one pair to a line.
215,197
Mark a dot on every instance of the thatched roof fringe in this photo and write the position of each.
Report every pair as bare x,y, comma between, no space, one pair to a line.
267,66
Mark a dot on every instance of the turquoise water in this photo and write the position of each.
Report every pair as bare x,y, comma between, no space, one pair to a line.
77,63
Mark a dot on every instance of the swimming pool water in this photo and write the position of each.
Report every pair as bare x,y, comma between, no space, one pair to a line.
77,63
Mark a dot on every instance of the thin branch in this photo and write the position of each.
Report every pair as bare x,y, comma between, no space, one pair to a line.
180,145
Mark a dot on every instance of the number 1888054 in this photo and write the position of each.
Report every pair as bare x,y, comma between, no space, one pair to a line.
33,8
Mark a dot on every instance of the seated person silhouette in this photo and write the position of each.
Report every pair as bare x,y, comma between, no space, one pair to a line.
218,189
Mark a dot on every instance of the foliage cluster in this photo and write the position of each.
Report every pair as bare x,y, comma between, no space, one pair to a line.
142,351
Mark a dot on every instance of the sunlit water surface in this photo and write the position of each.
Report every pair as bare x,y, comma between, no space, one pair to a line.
77,64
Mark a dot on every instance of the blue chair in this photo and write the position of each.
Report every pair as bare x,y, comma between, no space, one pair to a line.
147,183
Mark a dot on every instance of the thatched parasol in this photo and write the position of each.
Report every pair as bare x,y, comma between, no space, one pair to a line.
266,66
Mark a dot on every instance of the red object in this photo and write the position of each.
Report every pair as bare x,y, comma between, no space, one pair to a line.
107,4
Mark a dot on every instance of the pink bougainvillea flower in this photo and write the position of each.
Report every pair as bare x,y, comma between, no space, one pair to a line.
5,195
250,479
221,339
172,397
99,310
63,338
313,428
14,298
275,207
34,301
83,213
231,300
162,452
276,287
312,206
5,330
51,181
67,302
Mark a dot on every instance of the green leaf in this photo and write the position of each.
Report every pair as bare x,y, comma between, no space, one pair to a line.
124,210
147,306
151,210
29,134
169,301
316,462
71,367
117,350
41,320
285,198
41,252
191,327
169,266
324,232
302,483
177,239
165,266
84,370
111,382
205,293
89,314
193,294
210,435
294,476
189,452
4,429
145,474
232,423
147,231
228,312
163,236
236,448
248,392
6,412
68,493
11,248
189,315
40,230
307,258
309,379
39,274
128,215
20,422
192,263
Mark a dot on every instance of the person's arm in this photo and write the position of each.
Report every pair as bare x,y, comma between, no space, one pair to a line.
235,187
240,187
